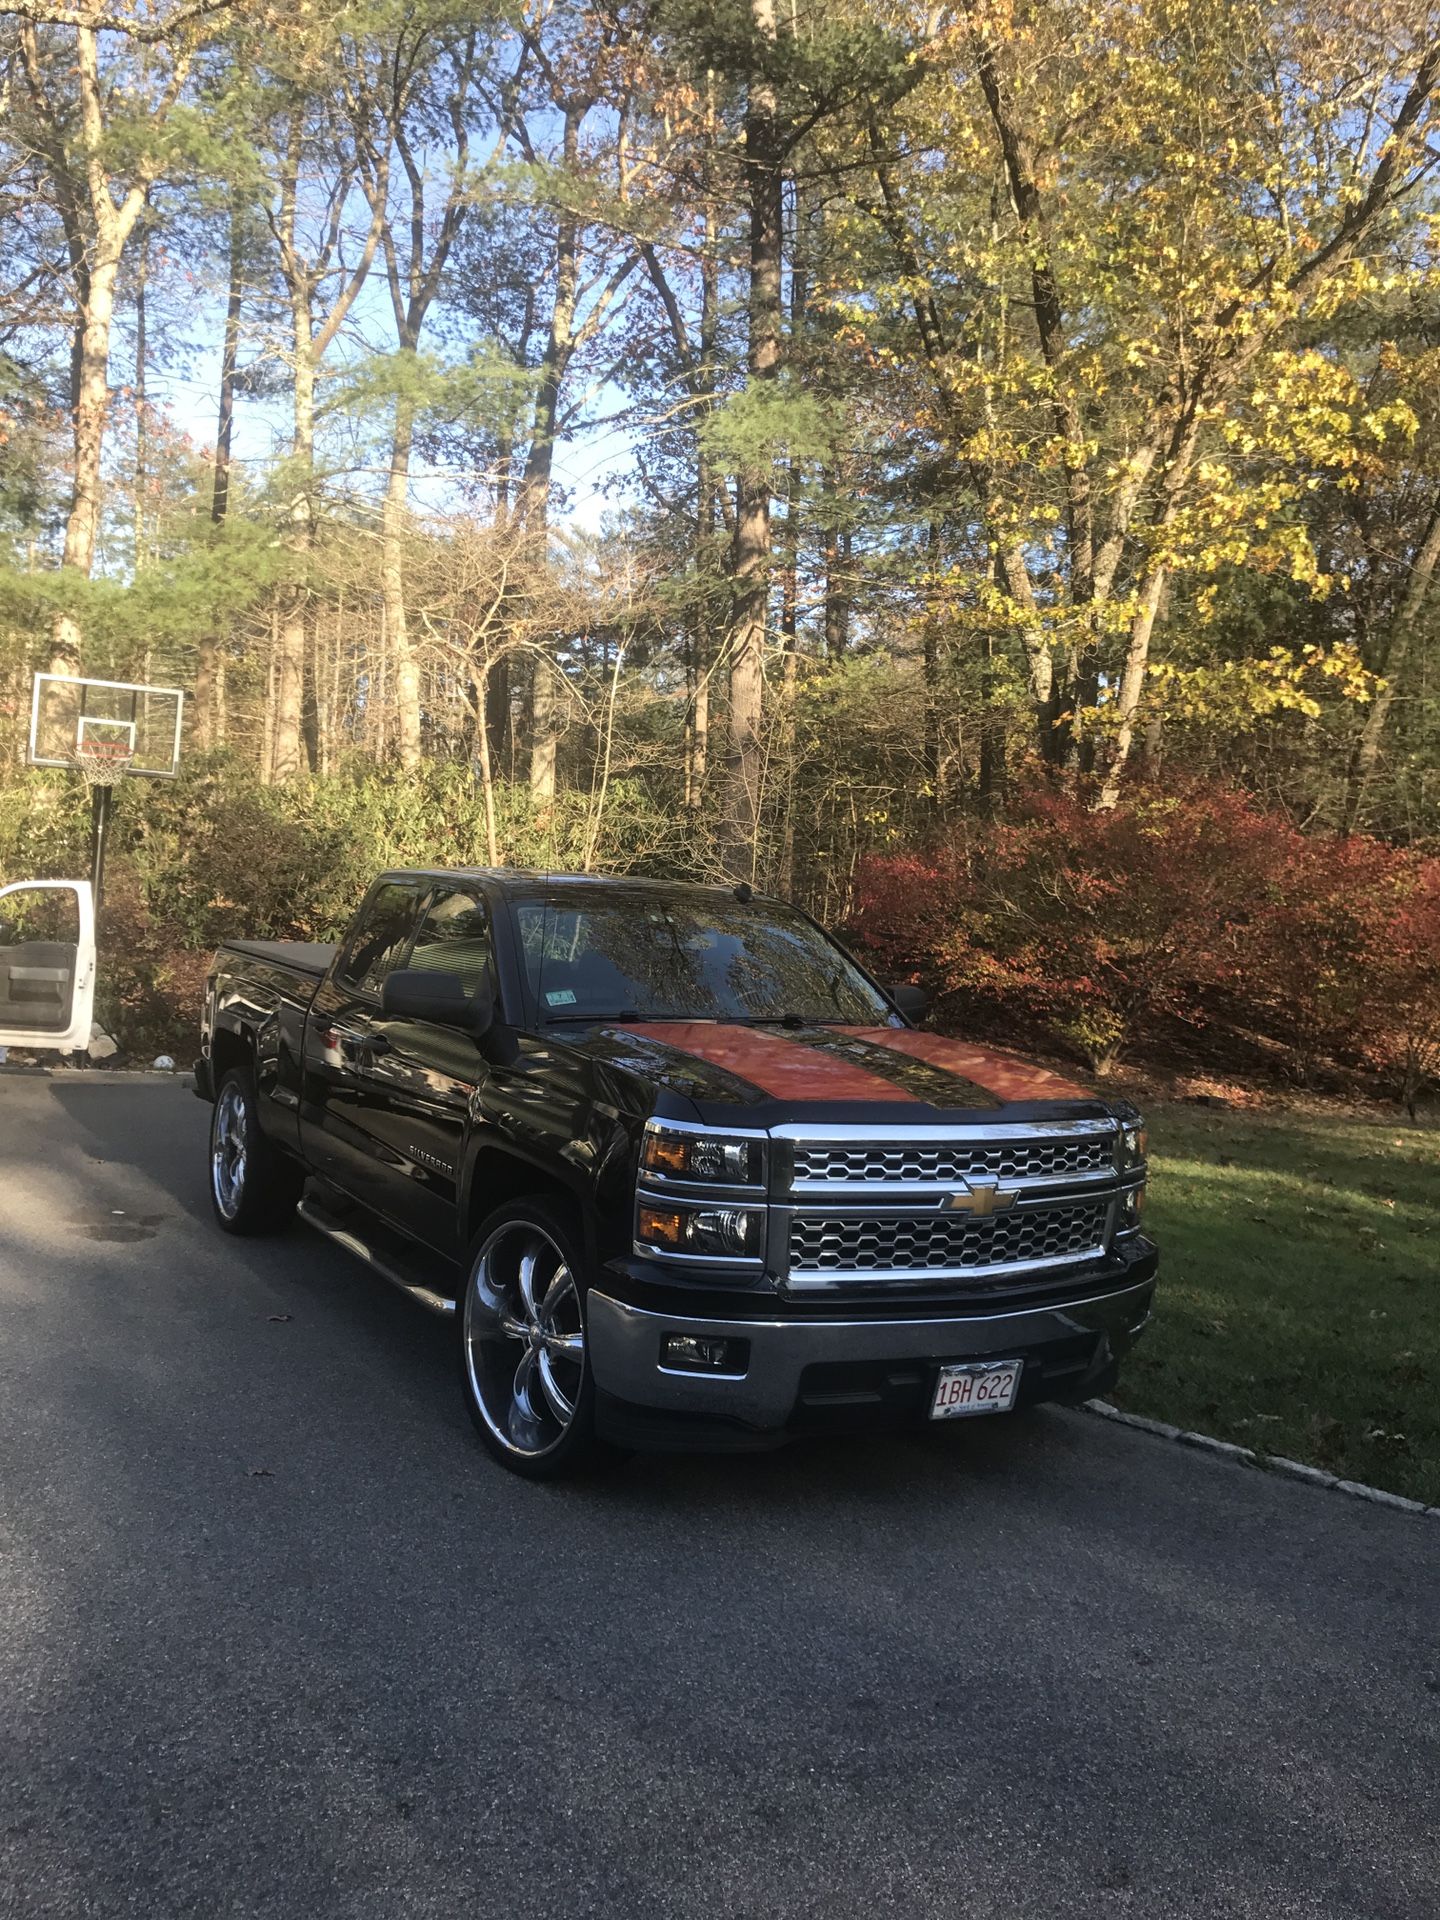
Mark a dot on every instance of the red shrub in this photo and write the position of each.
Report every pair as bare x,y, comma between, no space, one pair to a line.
1092,924
1402,1024
902,910
1311,958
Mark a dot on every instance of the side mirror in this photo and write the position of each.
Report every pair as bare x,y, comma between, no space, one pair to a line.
417,993
913,1002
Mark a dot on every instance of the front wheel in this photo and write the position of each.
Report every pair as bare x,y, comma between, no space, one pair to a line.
523,1365
253,1187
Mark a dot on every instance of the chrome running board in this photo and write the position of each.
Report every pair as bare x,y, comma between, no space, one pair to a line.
315,1216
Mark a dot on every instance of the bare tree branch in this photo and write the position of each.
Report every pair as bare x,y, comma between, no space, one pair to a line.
145,31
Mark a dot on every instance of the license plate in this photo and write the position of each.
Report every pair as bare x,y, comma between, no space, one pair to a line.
975,1386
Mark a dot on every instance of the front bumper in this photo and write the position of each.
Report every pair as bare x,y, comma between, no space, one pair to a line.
809,1374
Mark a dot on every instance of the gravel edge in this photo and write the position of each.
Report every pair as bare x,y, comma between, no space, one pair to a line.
97,1076
1265,1462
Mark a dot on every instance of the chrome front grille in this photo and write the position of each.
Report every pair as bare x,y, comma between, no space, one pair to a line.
823,1163
855,1245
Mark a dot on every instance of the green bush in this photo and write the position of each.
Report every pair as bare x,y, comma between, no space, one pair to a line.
44,828
211,856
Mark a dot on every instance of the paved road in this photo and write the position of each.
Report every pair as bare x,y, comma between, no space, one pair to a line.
276,1639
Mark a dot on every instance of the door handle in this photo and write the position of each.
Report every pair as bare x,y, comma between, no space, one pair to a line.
360,1045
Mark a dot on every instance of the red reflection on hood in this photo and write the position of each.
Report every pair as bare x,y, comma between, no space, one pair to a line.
1002,1074
777,1066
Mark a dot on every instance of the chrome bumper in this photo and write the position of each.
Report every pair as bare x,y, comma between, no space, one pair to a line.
624,1346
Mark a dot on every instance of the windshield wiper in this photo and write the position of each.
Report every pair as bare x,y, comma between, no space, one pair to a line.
593,1019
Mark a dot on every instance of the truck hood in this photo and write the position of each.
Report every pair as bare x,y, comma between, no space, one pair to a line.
927,1075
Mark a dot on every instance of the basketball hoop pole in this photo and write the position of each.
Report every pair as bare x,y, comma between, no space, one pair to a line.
102,764
100,798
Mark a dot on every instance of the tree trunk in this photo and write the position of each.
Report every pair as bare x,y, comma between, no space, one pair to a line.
838,548
290,664
267,717
991,778
752,546
91,405
95,278
1367,749
208,705
309,344
496,708
930,644
700,747
142,355
312,719
482,673
544,742
534,501
406,668
991,781
1132,683
707,485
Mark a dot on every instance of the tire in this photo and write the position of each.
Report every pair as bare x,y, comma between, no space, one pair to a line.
524,1368
253,1187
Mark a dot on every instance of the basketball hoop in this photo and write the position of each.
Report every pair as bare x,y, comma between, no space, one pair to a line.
106,731
102,763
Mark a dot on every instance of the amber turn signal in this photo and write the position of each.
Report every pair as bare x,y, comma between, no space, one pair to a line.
667,1153
663,1229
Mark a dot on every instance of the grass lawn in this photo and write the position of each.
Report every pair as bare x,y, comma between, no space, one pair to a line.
1299,1301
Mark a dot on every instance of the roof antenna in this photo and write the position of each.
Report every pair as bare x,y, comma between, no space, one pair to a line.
744,893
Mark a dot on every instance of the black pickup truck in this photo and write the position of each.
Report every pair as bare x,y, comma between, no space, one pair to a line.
682,1173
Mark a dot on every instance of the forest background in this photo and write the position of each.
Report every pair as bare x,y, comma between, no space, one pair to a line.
972,468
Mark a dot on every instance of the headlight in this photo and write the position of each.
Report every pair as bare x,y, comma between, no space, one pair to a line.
1132,1147
705,1159
725,1233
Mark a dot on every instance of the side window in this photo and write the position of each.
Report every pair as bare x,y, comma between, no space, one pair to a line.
454,937
378,943
49,916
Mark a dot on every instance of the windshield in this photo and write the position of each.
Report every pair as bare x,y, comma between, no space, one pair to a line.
634,954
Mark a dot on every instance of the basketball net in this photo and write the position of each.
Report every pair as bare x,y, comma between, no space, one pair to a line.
103,763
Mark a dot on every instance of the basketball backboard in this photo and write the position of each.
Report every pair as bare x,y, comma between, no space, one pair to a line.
72,720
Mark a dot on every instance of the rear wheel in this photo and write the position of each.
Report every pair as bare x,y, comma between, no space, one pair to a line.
253,1187
523,1365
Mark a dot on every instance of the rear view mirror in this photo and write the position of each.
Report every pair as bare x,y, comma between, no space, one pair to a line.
418,993
913,1002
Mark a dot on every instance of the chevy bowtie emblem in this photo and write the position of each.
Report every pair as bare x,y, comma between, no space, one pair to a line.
980,1197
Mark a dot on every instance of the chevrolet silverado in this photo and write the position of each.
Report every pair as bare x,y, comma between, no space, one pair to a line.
679,1171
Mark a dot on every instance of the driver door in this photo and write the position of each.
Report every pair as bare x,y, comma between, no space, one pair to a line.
420,1079
47,964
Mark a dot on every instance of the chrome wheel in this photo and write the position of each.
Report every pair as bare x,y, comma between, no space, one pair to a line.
227,1150
524,1339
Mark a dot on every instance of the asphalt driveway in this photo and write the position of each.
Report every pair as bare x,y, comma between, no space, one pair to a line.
276,1639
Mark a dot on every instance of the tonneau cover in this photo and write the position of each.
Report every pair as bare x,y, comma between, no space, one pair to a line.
305,956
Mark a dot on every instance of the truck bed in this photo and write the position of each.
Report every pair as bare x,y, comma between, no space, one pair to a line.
304,956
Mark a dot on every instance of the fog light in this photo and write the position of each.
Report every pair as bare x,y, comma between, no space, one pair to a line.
703,1353
1134,1206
